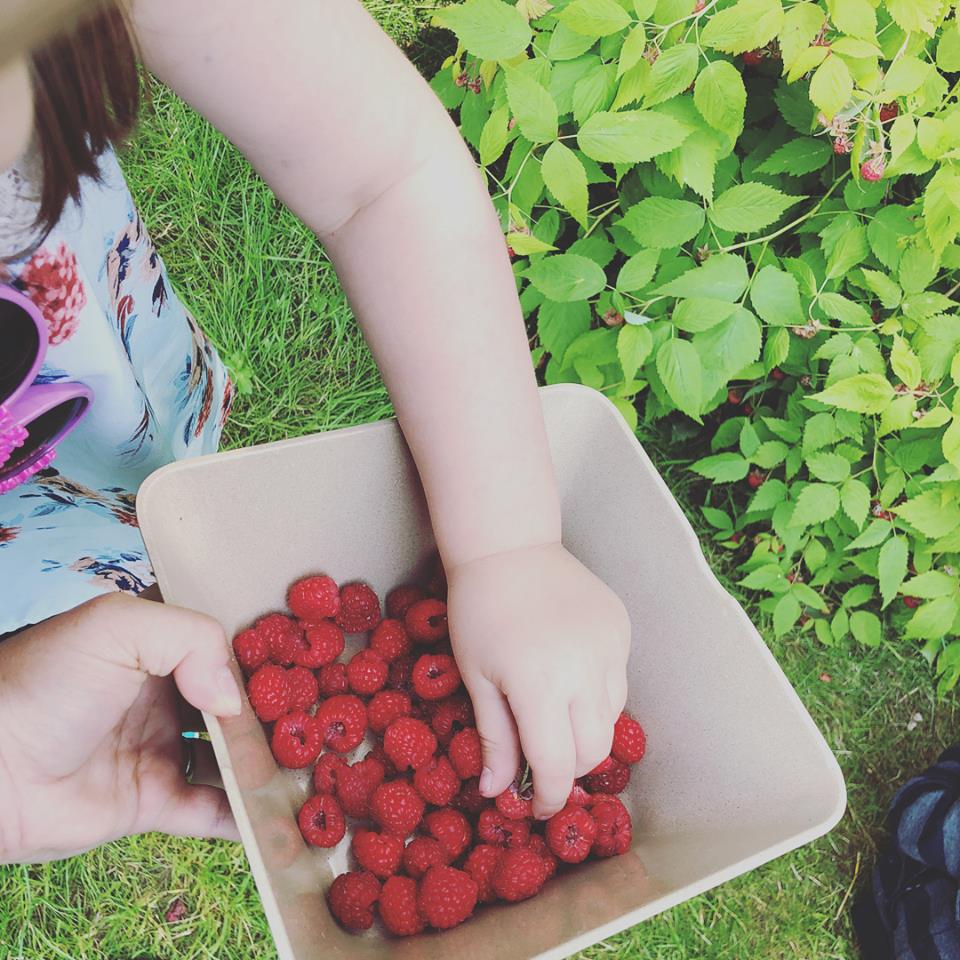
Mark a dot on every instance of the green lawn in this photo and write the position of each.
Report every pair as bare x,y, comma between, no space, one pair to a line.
262,287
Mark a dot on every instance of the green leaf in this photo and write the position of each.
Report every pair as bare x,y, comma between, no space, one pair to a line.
817,503
797,157
941,208
594,91
929,514
915,15
905,363
886,230
930,585
524,244
722,277
861,393
889,292
951,443
559,324
631,136
801,25
855,501
776,297
746,25
489,29
638,271
892,567
722,467
865,627
700,313
660,222
831,87
829,467
533,107
732,344
634,344
678,365
566,179
749,207
720,97
632,51
785,614
948,48
673,71
838,307
493,138
851,249
594,18
933,620
855,17
566,44
771,492
905,76
567,276
769,454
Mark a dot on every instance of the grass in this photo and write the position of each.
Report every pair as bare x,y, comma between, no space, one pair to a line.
263,289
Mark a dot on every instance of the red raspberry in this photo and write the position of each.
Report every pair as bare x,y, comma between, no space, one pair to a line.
321,821
436,578
446,897
359,608
912,602
379,853
421,854
343,722
520,874
480,864
470,799
426,621
755,478
283,636
734,396
435,676
296,740
326,771
355,785
324,644
614,827
466,753
269,692
397,807
873,169
377,753
494,828
390,640
889,111
314,598
409,743
754,57
570,834
385,707
777,374
304,689
351,898
401,599
578,796
514,805
609,776
538,845
251,650
333,679
367,672
400,676
451,828
437,782
450,715
398,907
629,740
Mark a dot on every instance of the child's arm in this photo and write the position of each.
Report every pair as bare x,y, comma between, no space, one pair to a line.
349,135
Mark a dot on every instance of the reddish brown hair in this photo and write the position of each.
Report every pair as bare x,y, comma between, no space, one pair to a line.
86,97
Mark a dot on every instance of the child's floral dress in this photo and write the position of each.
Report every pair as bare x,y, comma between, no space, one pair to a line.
160,393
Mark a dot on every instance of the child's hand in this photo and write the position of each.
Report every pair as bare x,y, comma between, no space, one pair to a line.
89,735
542,645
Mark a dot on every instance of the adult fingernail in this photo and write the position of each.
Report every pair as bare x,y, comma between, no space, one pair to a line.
486,781
228,694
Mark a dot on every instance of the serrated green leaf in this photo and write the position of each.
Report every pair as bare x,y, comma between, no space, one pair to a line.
559,324
776,297
493,138
892,567
567,276
674,71
829,467
948,47
801,25
771,492
634,345
951,443
850,250
831,87
594,18
770,453
633,49
933,620
700,313
638,271
722,467
722,277
678,365
489,29
785,614
630,136
731,345
856,17
930,585
915,15
565,177
817,503
929,514
797,157
746,25
889,292
855,501
661,222
905,363
720,97
905,76
533,107
865,627
748,207
861,393
941,208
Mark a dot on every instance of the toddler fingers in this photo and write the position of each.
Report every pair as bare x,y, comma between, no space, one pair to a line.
547,741
592,733
498,733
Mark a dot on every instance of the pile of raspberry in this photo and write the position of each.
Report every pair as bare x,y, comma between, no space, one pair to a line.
428,847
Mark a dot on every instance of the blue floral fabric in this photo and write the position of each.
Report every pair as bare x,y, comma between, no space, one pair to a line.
160,394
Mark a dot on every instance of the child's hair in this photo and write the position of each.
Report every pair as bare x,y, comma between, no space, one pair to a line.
86,89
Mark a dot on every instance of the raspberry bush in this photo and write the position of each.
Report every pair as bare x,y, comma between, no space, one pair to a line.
741,218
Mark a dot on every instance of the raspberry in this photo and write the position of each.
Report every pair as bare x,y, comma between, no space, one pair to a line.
426,621
514,805
520,874
324,644
578,796
326,771
629,740
401,599
471,800
873,169
609,776
359,608
385,707
321,821
377,753
304,689
466,753
343,722
283,636
755,478
351,897
570,834
889,111
269,692
398,907
446,897
538,845
754,57
355,785
333,679
397,807
614,827
437,782
367,672
409,743
296,740
494,828
435,676
450,715
251,650
379,853
390,640
912,602
314,598
480,864
451,828
421,854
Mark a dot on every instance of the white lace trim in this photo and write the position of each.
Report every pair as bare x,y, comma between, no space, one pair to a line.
19,206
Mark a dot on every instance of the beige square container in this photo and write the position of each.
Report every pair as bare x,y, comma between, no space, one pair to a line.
736,772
